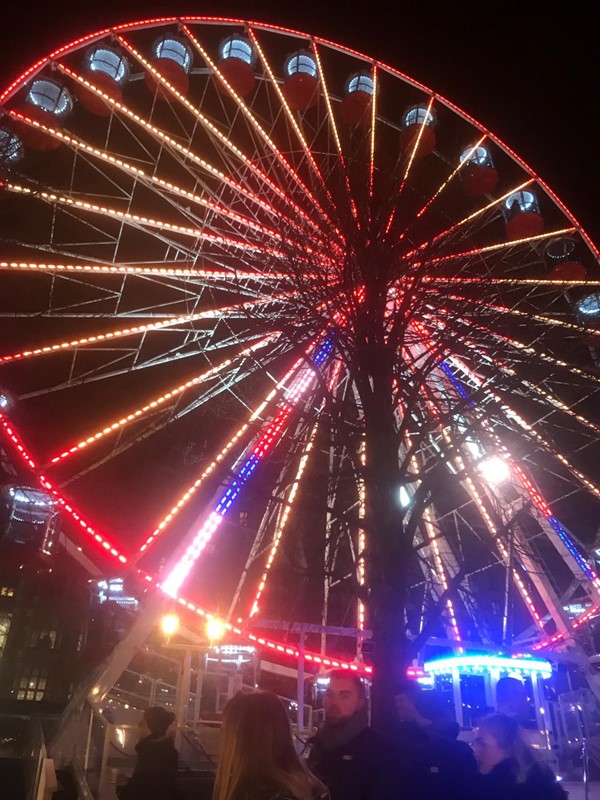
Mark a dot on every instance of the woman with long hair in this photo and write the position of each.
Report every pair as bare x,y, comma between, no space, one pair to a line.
257,759
508,766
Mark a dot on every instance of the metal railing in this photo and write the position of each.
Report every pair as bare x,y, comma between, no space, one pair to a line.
104,751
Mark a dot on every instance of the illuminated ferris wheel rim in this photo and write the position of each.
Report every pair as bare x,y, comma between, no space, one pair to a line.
156,22
74,46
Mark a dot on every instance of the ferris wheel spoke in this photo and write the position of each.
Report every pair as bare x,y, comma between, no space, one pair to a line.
549,598
286,508
159,184
456,171
152,406
501,246
336,137
512,374
256,417
183,567
518,313
484,508
304,440
292,120
413,151
556,532
174,145
554,284
514,416
217,313
288,169
188,274
491,206
133,361
227,384
142,222
460,467
562,366
211,127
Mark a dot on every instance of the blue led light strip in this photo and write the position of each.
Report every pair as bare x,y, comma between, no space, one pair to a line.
249,466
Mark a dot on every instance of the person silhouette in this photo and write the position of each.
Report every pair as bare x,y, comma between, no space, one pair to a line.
155,773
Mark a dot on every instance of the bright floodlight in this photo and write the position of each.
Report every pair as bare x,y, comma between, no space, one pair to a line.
494,470
169,624
215,629
404,497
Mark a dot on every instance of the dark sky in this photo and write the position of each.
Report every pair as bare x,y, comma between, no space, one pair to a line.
527,72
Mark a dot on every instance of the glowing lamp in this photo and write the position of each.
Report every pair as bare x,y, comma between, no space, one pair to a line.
169,624
215,629
404,497
494,470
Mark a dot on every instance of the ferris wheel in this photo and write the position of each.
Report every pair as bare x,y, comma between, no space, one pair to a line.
182,201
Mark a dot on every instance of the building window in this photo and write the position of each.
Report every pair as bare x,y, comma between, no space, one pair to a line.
43,640
32,684
7,591
5,620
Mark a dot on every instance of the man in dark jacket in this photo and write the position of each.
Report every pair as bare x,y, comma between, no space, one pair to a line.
432,762
155,773
352,760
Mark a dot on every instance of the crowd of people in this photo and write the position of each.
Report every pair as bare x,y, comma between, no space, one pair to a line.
421,758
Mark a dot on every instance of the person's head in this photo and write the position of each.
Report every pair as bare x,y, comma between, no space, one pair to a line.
497,738
256,746
406,699
156,721
511,698
415,705
345,696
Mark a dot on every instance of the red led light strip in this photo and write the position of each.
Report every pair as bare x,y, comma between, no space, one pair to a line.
106,545
199,20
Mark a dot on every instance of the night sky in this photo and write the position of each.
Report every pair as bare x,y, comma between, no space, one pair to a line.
521,69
